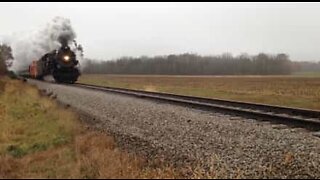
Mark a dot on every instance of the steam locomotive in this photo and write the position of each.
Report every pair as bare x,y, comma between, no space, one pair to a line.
61,64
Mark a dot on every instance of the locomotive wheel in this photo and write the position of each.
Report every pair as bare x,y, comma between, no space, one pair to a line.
65,81
57,80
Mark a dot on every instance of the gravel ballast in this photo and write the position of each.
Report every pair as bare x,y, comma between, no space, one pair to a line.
225,146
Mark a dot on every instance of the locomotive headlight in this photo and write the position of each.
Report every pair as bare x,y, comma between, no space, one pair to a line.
66,58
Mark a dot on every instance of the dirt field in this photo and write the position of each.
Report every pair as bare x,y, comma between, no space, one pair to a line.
295,91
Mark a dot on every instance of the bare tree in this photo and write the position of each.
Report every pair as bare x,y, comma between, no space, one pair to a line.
6,58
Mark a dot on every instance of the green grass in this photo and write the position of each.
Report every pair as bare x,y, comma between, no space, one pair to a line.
293,91
23,133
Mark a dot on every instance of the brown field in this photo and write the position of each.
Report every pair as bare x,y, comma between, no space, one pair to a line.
40,139
294,91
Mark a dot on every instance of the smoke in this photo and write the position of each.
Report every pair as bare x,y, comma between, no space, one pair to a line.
30,46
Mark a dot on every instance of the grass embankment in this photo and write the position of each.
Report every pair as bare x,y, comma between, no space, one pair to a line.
303,92
40,139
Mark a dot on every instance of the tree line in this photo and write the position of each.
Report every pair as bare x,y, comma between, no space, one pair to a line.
193,64
307,66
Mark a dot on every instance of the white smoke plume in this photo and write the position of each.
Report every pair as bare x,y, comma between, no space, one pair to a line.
27,47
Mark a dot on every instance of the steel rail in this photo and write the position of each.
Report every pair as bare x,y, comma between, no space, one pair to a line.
279,114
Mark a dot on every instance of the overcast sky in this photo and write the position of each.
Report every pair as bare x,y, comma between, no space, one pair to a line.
111,30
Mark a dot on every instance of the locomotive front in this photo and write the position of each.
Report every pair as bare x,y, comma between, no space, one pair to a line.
65,66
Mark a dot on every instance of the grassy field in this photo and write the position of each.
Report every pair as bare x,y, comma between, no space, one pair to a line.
306,74
295,91
39,139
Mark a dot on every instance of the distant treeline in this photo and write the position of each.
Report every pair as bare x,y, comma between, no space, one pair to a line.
192,64
306,66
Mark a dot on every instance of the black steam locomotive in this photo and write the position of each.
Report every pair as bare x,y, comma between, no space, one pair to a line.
61,64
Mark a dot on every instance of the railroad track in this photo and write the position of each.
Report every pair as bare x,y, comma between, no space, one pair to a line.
297,117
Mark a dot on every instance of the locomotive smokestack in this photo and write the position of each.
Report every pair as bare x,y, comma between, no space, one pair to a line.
63,41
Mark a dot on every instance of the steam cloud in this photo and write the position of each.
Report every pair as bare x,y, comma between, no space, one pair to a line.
28,47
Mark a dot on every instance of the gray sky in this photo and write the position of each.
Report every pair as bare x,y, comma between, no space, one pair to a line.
111,30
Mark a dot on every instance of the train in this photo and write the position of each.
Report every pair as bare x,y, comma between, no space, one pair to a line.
61,64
